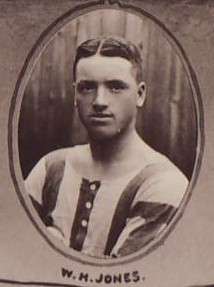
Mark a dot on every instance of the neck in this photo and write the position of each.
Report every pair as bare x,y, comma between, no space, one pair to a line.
115,150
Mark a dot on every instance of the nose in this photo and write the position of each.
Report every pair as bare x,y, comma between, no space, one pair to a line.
101,101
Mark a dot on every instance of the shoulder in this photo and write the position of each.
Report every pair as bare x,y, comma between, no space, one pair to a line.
58,155
158,166
162,182
71,154
50,170
56,159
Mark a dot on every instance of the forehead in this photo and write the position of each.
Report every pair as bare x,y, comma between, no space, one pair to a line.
99,67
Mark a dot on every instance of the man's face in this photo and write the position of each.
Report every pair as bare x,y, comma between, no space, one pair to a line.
107,95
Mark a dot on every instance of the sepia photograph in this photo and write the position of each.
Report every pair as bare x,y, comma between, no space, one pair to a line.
111,118
106,147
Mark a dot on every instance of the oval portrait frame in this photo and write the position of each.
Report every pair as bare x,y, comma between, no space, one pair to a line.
15,108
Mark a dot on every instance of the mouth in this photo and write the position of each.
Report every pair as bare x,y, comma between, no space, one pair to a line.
100,117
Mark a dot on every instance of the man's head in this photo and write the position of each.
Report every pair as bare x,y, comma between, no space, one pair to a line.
109,88
110,47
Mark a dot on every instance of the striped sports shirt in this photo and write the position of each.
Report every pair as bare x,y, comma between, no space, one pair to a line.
105,217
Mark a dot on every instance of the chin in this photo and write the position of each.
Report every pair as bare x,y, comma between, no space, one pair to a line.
101,135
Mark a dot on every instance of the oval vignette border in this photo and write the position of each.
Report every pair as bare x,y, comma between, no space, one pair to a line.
37,49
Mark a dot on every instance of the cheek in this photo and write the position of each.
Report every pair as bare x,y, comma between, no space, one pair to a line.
126,112
127,104
82,110
83,103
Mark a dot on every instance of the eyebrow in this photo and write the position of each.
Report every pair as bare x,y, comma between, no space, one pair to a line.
119,83
86,82
83,83
108,82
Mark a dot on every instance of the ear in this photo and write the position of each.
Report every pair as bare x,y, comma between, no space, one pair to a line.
75,102
75,94
141,94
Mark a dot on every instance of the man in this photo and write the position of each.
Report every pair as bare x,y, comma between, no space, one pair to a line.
112,196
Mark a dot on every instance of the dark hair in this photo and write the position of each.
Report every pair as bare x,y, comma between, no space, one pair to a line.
111,47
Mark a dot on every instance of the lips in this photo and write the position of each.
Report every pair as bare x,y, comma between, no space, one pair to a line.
100,118
100,115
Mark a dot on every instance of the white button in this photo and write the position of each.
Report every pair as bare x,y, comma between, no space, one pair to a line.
93,186
84,223
88,204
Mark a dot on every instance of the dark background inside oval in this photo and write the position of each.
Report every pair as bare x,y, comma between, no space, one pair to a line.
167,121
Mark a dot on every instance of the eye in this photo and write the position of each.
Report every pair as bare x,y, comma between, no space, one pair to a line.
86,87
116,86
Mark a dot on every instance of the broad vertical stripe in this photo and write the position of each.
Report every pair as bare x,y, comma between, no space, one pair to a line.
64,212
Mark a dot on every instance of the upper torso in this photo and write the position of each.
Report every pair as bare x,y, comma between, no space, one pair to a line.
87,203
